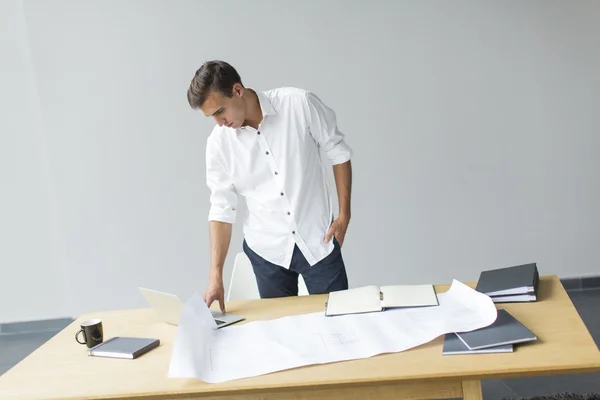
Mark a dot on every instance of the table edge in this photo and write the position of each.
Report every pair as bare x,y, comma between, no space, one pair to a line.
591,368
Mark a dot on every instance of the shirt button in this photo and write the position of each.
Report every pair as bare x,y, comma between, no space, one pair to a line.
276,173
258,132
289,213
293,232
267,153
282,193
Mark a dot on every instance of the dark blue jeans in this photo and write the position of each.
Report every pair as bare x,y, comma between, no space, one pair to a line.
326,276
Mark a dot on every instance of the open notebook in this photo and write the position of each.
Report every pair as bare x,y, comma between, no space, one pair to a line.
377,298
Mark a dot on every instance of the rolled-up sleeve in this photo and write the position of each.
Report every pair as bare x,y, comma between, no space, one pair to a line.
323,127
223,197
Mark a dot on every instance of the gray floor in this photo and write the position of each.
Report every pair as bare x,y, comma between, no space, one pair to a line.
15,347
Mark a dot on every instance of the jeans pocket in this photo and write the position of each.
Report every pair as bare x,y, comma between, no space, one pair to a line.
335,254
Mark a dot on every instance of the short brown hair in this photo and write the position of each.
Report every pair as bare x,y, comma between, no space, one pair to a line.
216,76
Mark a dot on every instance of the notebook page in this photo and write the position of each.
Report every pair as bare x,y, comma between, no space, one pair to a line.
408,296
352,301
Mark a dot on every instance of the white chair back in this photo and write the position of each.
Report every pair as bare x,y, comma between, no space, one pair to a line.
242,285
302,290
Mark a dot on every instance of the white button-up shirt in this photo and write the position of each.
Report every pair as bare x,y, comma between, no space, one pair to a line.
279,170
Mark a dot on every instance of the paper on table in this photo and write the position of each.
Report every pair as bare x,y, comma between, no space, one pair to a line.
256,348
196,333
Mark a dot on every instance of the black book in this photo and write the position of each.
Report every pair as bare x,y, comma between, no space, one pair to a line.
505,330
453,345
510,284
124,347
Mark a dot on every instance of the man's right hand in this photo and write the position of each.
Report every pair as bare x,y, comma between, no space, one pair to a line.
219,237
215,292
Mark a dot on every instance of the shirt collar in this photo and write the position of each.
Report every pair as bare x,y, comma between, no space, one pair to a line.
265,104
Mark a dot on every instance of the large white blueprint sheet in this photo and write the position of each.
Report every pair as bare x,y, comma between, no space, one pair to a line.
255,348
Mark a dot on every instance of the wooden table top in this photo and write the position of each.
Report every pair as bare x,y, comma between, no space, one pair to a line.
62,369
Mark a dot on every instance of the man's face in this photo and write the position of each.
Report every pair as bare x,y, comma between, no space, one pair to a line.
227,111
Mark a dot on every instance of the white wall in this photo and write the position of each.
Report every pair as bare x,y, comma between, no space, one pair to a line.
32,279
474,126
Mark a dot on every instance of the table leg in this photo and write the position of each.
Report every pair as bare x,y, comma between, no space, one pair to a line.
472,390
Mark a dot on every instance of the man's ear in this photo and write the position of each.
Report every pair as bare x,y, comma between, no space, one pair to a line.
238,90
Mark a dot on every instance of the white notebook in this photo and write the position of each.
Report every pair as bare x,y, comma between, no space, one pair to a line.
378,298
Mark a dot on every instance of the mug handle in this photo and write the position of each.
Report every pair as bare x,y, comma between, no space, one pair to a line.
77,336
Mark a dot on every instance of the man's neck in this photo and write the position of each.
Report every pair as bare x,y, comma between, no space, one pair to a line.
255,115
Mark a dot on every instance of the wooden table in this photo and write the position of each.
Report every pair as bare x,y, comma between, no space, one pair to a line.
61,369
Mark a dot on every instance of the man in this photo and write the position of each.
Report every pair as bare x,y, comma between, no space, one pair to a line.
265,147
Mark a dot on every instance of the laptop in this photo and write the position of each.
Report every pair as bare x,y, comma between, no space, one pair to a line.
169,306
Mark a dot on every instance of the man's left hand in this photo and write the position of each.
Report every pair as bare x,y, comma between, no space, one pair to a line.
338,229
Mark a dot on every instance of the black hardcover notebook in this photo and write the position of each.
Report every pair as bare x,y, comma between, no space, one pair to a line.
505,330
518,283
124,347
453,345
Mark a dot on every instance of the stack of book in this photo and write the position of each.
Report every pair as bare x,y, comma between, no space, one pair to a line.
510,284
499,337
